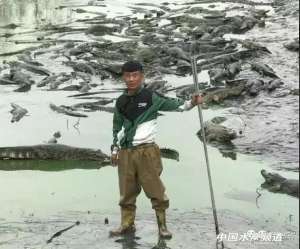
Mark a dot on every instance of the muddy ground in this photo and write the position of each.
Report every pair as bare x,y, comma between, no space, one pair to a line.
191,230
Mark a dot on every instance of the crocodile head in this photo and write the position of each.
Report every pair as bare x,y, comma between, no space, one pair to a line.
273,181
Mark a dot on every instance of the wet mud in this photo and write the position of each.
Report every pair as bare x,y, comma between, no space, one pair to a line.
191,230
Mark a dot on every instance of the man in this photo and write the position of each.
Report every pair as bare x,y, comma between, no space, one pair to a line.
134,150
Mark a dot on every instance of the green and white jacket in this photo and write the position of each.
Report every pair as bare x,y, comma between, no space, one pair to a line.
135,116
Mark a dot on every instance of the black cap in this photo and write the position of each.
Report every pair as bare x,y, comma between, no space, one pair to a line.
132,66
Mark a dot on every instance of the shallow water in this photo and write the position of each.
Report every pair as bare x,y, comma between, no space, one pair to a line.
44,194
94,132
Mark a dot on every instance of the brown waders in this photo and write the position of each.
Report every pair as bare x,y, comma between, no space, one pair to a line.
139,168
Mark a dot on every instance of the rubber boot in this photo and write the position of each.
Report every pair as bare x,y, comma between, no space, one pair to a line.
127,224
162,227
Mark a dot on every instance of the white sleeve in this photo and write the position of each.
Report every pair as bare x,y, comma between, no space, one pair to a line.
187,105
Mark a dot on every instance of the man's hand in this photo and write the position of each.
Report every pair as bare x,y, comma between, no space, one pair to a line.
114,155
114,159
197,100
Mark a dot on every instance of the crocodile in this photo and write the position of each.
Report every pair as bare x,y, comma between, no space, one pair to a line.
278,184
67,111
53,156
52,152
264,70
31,68
217,132
293,46
18,112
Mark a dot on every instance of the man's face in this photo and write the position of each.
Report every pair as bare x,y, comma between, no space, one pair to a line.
133,80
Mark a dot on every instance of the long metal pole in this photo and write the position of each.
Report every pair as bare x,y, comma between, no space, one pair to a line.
195,76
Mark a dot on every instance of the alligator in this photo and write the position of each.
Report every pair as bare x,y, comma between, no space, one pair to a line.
23,88
51,152
10,26
81,67
4,81
277,184
100,30
72,88
186,91
177,53
225,59
254,86
47,80
233,69
295,92
53,156
31,68
221,130
151,38
16,77
293,46
217,74
92,105
274,84
18,112
218,94
220,133
183,67
169,154
67,111
49,165
254,46
264,70
55,80
212,95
